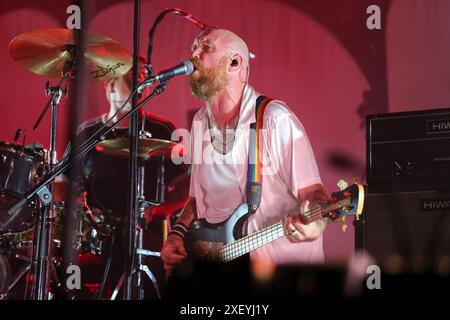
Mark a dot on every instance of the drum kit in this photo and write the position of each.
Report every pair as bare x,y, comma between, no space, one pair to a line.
50,53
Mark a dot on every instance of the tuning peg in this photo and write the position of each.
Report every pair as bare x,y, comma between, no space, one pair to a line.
342,184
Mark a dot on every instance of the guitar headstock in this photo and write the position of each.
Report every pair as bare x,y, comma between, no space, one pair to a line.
347,202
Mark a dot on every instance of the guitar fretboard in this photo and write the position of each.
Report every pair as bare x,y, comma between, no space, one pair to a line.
249,243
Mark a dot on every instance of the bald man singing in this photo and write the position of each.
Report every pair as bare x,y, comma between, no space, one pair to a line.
291,180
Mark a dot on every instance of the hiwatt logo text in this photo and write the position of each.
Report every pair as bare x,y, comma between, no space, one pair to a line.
438,126
435,204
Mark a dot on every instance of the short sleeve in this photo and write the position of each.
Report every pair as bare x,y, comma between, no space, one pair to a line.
193,176
195,140
291,151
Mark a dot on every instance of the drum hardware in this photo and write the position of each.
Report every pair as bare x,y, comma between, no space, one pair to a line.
140,219
13,212
26,269
17,135
118,286
44,226
137,264
50,52
56,92
23,270
41,61
101,288
92,230
20,246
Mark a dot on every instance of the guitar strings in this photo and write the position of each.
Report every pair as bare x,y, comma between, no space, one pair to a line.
310,213
247,242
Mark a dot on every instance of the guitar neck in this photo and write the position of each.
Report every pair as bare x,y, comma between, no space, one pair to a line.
249,243
320,211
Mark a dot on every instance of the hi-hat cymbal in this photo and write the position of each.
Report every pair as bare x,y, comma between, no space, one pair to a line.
46,51
147,147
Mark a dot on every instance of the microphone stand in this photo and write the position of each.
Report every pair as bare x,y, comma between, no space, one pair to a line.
132,164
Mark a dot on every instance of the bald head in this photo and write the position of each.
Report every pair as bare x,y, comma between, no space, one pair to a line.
229,43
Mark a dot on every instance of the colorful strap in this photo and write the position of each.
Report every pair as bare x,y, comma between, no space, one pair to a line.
254,172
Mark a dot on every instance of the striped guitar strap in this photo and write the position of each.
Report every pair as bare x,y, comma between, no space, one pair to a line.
254,172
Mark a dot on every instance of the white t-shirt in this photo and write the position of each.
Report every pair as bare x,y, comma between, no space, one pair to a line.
289,165
219,171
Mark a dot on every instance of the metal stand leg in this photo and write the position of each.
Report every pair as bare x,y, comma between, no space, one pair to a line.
26,269
119,285
147,271
55,274
41,246
99,293
138,268
144,268
140,252
18,276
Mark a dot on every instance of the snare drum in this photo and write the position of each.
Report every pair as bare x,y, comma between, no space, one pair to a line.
20,170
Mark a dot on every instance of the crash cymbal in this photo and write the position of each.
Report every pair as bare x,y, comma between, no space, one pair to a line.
147,147
45,52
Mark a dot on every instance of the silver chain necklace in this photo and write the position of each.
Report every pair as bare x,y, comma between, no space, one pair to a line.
222,140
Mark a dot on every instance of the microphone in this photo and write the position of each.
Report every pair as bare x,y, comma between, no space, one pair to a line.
186,67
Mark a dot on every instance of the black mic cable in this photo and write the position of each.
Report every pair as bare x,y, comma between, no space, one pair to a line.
158,20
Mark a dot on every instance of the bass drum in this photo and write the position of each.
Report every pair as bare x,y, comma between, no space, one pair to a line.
21,168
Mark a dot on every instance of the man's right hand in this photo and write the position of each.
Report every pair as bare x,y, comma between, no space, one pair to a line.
173,252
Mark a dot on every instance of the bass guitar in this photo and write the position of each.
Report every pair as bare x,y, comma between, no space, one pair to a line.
224,241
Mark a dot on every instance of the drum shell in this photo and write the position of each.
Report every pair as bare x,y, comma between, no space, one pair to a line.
20,170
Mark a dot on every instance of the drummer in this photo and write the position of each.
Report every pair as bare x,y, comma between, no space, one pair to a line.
117,91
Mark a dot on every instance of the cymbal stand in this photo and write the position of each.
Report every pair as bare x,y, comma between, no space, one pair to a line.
137,264
43,227
139,267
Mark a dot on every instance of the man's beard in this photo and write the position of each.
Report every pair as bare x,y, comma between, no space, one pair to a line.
208,82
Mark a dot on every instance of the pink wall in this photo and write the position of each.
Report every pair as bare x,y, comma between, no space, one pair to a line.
418,54
314,55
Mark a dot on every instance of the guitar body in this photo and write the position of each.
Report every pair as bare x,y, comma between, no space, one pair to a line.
205,239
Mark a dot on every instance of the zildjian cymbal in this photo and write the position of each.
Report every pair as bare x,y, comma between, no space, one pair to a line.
46,51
